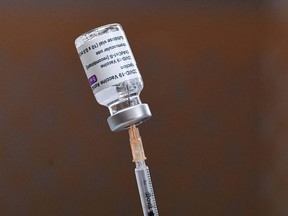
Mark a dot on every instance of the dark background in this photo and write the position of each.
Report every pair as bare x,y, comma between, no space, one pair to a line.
215,75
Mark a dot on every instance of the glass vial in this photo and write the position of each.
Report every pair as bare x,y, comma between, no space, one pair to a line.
113,75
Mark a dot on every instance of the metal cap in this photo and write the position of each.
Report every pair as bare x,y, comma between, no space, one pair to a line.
128,116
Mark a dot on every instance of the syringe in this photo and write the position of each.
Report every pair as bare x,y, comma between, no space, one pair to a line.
142,174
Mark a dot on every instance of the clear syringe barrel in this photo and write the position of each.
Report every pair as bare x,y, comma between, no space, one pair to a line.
142,173
145,189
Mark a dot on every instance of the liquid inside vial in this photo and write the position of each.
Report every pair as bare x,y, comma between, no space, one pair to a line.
120,96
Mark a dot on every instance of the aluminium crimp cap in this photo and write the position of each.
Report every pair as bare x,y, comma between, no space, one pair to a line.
129,116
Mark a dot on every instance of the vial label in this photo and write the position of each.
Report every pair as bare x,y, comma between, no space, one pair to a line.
108,60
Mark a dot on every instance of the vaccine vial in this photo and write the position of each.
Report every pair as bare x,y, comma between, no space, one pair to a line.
113,75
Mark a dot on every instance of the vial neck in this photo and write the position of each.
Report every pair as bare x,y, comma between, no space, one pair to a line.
123,104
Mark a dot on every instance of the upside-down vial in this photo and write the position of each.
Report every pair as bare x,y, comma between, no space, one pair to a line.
113,75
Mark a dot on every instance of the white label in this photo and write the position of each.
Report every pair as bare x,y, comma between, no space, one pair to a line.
107,60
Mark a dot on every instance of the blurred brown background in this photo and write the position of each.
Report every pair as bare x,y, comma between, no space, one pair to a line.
215,75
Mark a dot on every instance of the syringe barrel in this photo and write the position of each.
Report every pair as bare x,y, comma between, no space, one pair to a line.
145,188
